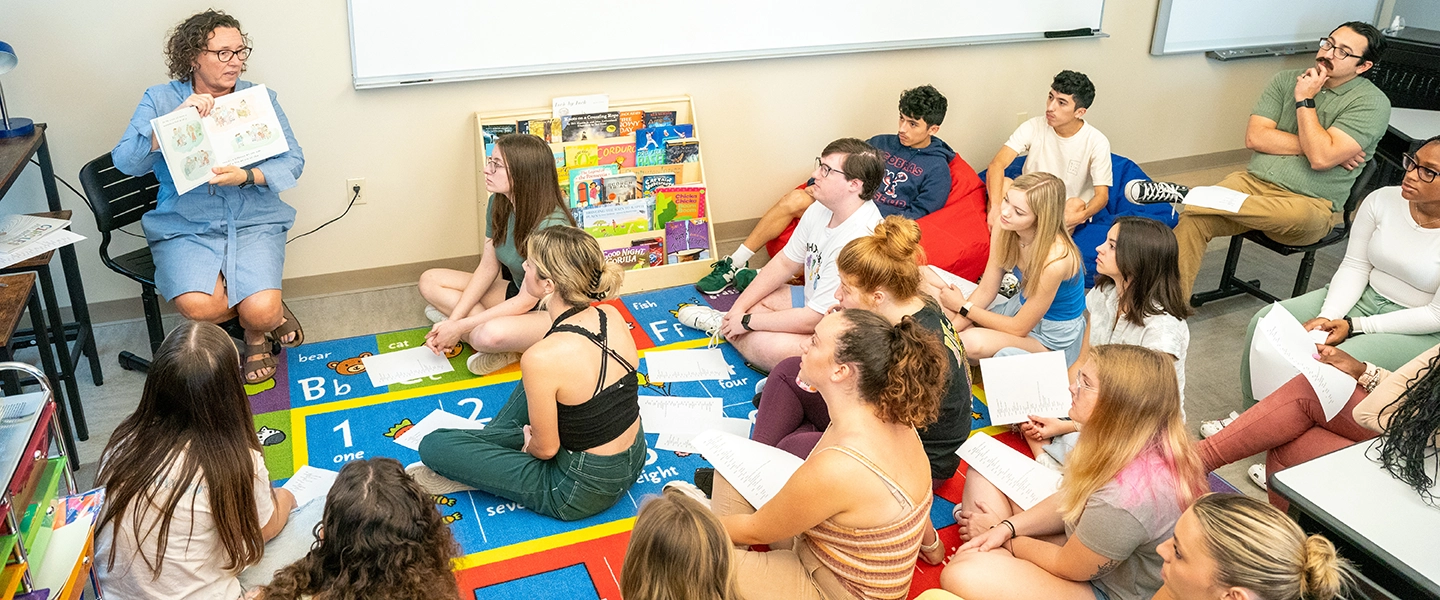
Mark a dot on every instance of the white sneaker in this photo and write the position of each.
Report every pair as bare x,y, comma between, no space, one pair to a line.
1209,428
704,318
434,314
485,363
687,488
1257,475
434,483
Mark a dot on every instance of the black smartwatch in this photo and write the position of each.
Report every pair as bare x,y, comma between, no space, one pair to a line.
249,178
1351,325
1306,103
745,322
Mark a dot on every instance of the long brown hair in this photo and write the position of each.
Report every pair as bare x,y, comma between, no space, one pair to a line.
902,367
382,538
534,189
888,258
1257,547
1148,257
678,551
1045,194
193,421
1138,411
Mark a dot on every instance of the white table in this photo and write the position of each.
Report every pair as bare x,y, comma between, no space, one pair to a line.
1356,500
1415,124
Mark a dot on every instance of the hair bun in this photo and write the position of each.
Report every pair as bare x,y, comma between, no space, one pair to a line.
1322,577
899,237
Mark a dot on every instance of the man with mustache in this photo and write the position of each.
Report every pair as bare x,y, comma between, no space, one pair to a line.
1311,130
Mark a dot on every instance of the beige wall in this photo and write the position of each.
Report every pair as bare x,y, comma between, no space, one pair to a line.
84,64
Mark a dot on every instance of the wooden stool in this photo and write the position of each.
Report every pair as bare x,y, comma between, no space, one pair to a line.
40,265
17,293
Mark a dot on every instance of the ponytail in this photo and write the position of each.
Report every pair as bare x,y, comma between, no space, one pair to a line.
1257,547
1322,577
902,368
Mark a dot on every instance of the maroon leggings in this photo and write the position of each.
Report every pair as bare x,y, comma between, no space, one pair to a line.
790,418
1289,427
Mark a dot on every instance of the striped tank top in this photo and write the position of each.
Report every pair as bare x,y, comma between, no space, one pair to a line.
873,562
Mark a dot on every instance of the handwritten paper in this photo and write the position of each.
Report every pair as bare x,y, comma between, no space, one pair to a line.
1216,197
674,414
684,441
310,483
673,366
1028,384
755,470
1022,480
565,106
437,419
404,365
1283,349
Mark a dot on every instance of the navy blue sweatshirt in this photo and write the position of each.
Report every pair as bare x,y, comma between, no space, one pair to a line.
917,180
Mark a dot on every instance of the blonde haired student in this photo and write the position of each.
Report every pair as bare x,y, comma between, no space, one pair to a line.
1131,475
1234,547
1048,309
678,551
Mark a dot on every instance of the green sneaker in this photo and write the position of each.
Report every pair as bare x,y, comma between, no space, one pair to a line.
742,278
721,276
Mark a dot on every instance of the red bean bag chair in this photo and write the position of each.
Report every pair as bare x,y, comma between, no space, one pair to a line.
955,237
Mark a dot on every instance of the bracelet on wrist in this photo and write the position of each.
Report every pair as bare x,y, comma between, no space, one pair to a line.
1007,523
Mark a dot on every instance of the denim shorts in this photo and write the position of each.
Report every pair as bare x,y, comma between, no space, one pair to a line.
1099,593
1063,336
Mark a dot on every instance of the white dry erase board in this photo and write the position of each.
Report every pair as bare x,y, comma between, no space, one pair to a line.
1183,26
432,41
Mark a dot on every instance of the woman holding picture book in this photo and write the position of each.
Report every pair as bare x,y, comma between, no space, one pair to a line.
219,249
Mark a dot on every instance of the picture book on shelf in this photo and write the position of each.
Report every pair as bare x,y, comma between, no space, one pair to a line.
584,186
659,118
687,240
614,219
545,129
649,183
644,253
590,126
641,172
650,142
491,132
619,152
581,155
683,150
631,120
618,188
679,202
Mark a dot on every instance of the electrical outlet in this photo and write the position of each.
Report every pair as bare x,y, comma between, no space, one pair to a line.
355,188
1021,117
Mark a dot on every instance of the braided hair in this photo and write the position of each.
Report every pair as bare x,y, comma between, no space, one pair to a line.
1410,437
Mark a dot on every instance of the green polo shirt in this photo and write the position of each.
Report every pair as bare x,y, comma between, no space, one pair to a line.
1357,107
507,252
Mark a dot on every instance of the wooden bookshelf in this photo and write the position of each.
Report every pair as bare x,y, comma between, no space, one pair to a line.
636,280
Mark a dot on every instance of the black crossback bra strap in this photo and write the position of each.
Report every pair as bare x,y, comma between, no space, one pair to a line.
606,351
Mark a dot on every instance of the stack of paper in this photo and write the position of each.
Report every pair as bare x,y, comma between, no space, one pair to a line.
757,471
24,236
678,420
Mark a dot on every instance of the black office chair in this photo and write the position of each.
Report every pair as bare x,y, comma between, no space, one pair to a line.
1233,286
118,200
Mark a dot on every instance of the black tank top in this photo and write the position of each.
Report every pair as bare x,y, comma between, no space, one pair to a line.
611,410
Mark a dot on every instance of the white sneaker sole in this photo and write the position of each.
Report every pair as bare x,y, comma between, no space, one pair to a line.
434,483
485,363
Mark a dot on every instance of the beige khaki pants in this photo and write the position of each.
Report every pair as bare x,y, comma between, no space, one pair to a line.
1283,215
788,571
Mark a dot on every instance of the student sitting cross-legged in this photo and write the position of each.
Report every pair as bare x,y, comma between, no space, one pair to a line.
848,523
381,537
568,443
764,324
188,499
1131,475
1047,311
1136,300
1233,547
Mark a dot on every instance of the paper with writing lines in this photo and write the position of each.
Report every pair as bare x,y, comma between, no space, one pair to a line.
755,470
1022,480
1028,384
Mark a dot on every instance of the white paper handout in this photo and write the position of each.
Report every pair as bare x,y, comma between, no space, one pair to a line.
51,241
673,366
684,442
1216,197
1283,349
310,483
241,129
18,230
755,470
437,419
1021,479
404,365
966,286
1028,384
673,414
565,106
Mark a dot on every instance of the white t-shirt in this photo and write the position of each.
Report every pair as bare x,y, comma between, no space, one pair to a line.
1161,333
193,554
1082,160
1392,253
816,245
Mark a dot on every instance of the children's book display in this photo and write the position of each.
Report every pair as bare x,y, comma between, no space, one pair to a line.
632,177
241,129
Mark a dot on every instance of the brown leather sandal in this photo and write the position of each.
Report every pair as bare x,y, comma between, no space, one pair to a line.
288,326
250,369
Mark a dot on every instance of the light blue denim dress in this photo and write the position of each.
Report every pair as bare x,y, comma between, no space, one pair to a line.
212,229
